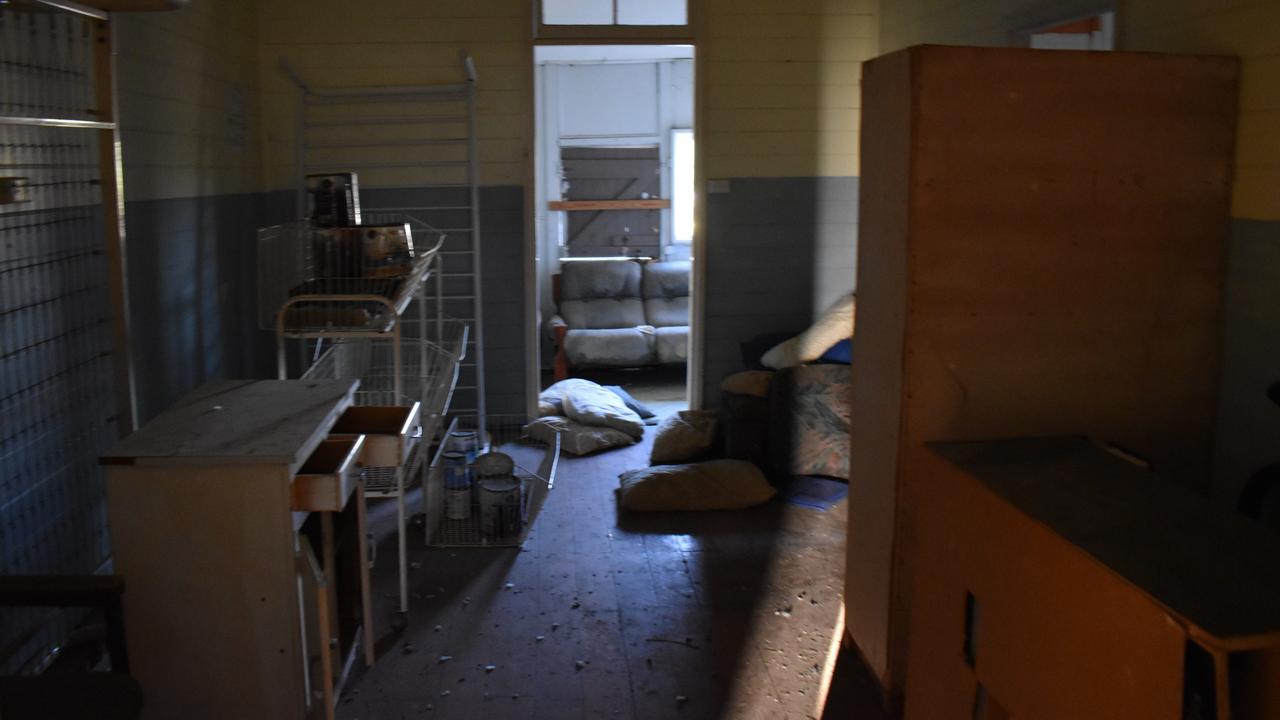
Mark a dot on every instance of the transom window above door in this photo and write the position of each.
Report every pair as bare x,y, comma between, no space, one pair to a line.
613,18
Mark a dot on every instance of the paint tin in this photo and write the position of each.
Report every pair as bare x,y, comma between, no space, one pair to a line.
493,465
466,442
500,511
457,486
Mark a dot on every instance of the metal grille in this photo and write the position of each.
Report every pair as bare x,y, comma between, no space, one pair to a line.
57,406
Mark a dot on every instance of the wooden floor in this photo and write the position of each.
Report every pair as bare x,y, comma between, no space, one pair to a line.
684,615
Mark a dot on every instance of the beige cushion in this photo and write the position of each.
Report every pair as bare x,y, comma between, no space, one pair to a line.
683,437
598,406
754,383
576,438
714,485
835,324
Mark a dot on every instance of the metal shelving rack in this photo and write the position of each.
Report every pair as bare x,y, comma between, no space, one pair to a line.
380,331
415,148
417,143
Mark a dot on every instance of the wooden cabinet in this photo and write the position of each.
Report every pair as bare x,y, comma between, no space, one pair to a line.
1040,252
234,592
1055,580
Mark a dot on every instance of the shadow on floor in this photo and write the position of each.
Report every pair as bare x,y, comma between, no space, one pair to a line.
603,614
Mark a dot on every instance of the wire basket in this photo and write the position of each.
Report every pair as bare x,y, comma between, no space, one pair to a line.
357,279
397,369
386,481
474,510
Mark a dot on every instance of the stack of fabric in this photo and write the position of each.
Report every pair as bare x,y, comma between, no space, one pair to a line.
589,417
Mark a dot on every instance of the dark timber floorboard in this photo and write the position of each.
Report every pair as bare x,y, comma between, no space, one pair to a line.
731,611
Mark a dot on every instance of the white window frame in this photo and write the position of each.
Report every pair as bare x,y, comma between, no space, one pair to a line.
680,204
668,34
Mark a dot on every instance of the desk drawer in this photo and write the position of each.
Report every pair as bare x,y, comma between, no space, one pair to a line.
389,431
327,477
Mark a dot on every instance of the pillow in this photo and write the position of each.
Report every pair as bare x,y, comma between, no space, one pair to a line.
575,438
840,353
636,406
834,325
596,406
551,400
748,382
684,437
714,485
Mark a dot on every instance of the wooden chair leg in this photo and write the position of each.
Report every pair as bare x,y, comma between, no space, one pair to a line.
561,366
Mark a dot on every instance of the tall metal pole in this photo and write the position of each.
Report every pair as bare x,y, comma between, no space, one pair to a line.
473,173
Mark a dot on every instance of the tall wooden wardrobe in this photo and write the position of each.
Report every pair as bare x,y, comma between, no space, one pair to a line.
1041,252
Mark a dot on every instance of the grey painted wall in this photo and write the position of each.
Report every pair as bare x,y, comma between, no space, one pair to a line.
193,288
1247,436
193,294
779,250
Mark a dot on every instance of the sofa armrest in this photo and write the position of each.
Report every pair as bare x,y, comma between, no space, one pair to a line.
559,328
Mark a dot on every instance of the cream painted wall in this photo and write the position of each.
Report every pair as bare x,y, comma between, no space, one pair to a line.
400,42
1235,27
781,95
188,90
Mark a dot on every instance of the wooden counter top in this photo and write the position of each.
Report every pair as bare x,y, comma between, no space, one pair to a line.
1215,571
268,422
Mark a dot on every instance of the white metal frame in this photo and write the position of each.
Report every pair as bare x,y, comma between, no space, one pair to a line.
310,96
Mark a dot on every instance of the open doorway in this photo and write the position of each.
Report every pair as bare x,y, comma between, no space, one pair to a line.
614,221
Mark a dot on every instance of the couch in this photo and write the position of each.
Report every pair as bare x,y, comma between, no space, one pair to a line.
792,421
620,313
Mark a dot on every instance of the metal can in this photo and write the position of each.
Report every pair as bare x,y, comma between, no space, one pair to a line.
501,514
466,442
457,486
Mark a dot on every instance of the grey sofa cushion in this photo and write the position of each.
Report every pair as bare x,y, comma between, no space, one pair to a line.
591,279
602,313
665,279
665,287
601,294
666,312
622,347
671,344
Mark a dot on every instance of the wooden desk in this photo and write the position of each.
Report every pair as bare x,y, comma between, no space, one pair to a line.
203,528
1090,586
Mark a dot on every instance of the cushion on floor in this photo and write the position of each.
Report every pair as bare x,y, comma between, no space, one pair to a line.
685,436
640,408
551,400
576,438
713,485
597,406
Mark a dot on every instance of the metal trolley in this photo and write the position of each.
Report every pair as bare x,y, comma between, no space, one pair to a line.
386,332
